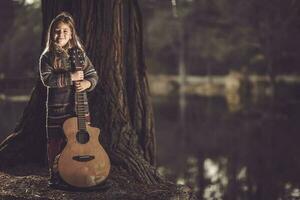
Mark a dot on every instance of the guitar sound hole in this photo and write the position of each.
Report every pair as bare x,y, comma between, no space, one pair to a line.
82,137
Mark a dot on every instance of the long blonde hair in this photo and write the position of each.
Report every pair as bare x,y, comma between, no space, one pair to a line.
65,18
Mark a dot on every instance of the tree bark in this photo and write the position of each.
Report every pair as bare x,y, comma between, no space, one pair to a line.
27,144
120,104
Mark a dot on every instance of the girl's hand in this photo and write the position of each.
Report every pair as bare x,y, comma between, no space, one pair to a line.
82,85
77,76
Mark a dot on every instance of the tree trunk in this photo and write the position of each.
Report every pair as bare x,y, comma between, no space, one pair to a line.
112,33
119,105
27,143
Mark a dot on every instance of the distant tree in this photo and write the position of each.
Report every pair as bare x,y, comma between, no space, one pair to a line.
277,25
223,35
20,42
6,19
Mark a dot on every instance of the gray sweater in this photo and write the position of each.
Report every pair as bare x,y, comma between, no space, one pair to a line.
60,88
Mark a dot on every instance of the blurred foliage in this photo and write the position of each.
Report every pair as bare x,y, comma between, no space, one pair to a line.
6,17
215,36
20,49
220,35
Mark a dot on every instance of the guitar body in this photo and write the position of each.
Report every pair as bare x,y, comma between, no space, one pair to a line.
84,162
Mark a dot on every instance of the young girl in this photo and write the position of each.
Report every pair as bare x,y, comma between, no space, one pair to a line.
61,81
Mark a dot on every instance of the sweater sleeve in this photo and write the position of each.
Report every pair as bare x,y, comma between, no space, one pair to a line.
53,78
90,74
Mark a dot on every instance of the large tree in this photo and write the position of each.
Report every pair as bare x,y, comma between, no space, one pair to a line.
120,104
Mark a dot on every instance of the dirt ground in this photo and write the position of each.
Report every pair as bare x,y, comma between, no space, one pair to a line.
31,182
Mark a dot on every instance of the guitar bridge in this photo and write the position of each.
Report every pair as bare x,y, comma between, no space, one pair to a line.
84,158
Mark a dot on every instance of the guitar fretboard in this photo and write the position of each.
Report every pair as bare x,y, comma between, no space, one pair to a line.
81,109
81,101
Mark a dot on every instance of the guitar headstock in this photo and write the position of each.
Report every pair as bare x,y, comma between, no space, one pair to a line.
77,58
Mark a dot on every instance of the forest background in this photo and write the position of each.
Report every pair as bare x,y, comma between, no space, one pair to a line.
224,79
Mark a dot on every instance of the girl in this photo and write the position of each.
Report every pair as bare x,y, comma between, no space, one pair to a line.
59,78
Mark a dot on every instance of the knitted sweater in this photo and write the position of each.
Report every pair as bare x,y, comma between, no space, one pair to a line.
60,88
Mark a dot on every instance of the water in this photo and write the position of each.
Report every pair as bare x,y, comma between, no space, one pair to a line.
223,147
250,152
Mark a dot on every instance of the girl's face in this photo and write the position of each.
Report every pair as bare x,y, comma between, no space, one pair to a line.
62,34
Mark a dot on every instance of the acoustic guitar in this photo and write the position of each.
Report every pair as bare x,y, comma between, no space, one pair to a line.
83,162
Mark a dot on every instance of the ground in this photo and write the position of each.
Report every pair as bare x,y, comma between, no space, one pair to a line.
30,182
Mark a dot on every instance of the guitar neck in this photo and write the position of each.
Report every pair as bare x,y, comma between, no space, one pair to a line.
81,104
